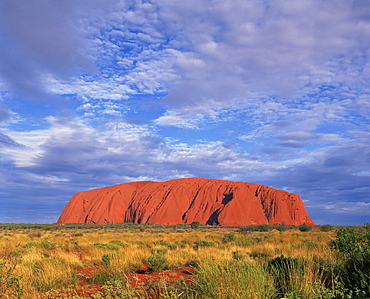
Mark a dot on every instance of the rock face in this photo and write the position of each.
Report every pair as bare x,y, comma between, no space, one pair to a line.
214,202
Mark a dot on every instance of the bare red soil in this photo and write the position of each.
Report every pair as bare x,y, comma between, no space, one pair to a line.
140,278
143,276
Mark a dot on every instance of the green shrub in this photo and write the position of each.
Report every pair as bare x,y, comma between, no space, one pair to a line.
42,244
107,246
104,275
118,243
305,228
159,251
115,288
281,227
244,243
141,243
35,234
203,243
227,238
9,282
355,273
256,228
172,246
353,247
157,262
161,242
184,243
259,255
310,244
350,239
326,228
106,258
195,224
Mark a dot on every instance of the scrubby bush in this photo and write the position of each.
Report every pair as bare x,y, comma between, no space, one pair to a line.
161,242
258,255
195,224
42,244
106,258
35,234
326,228
184,243
157,262
118,243
256,228
305,228
281,227
353,247
227,238
107,246
203,243
9,282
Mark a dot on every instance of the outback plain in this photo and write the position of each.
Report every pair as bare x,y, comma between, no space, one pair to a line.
183,261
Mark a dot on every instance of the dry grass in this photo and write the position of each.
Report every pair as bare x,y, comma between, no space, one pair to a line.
230,264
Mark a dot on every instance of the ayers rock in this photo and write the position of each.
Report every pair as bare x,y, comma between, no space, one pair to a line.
209,201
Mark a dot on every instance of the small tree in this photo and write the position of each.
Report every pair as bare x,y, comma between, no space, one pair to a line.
195,224
305,228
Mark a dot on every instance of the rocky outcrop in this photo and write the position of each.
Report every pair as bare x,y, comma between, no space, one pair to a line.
213,202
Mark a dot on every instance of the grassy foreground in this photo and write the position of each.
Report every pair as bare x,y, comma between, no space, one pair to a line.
46,261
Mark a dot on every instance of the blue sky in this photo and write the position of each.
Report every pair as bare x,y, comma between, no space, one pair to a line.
95,93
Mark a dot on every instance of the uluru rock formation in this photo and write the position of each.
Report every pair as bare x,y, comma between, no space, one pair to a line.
209,201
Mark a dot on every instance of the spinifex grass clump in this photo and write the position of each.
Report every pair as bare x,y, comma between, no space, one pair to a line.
286,271
51,273
157,261
307,278
107,270
203,243
108,246
228,238
161,288
113,265
234,279
41,244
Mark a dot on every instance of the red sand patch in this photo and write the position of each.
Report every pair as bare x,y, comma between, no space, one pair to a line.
141,277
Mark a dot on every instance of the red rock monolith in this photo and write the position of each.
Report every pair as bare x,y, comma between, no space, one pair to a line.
209,201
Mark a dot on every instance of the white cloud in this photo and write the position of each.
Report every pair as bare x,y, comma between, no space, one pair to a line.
171,118
349,208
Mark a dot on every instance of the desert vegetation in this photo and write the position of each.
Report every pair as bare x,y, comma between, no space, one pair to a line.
183,261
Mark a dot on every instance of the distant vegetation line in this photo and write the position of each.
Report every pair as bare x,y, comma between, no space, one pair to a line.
194,225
